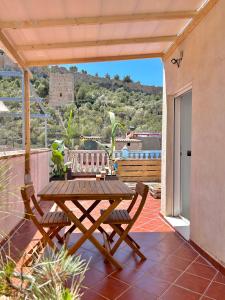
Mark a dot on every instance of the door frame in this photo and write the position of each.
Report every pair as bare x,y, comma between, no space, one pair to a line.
177,159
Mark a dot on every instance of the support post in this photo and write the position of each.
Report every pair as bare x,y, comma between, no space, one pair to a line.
23,112
46,133
27,123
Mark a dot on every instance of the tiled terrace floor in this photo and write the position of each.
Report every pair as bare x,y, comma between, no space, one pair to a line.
173,269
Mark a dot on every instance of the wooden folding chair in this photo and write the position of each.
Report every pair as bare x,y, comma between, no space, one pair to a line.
120,217
53,221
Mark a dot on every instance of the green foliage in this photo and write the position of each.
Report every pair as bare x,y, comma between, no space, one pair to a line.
114,126
47,278
73,69
127,79
70,129
107,76
113,130
59,168
94,98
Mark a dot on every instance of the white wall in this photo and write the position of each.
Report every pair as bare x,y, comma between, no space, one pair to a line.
203,67
11,201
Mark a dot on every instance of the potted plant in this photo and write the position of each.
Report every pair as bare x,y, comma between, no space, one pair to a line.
59,167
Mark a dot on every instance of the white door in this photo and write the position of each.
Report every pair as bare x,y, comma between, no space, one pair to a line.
183,127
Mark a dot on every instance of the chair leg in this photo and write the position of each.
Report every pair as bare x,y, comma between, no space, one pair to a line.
111,236
123,237
130,238
56,234
59,238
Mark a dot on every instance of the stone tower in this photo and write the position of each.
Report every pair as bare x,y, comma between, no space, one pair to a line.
61,89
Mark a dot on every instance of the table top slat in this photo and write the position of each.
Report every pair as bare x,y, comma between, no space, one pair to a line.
86,190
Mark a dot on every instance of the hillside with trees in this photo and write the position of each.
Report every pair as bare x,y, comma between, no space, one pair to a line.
134,105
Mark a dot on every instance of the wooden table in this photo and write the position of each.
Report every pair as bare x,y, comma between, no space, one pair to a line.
63,191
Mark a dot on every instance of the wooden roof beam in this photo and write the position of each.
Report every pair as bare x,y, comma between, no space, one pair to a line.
154,39
191,26
10,49
92,59
141,17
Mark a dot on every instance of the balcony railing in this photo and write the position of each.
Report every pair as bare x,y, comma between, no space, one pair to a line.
88,161
95,161
138,154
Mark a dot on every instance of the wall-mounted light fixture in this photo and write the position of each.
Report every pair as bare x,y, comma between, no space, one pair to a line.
177,61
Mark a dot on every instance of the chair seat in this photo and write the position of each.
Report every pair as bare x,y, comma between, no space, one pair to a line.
117,216
52,219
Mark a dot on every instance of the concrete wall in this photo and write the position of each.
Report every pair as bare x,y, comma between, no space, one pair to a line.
203,68
11,204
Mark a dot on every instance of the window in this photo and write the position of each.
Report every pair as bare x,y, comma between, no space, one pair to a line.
60,94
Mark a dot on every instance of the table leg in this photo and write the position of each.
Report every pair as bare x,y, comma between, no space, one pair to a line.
87,215
88,211
87,233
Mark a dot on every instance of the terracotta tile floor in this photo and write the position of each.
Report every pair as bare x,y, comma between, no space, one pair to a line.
173,269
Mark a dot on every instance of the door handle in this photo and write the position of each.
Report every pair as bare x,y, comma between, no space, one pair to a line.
189,153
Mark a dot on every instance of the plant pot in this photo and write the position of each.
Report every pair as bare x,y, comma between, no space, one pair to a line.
111,177
56,178
69,174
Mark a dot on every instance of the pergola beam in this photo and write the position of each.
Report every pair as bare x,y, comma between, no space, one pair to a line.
92,59
191,26
27,121
141,17
142,40
10,49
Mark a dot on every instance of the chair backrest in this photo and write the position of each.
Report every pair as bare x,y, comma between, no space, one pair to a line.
28,195
141,190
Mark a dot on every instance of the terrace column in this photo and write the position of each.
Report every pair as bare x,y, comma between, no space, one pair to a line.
27,176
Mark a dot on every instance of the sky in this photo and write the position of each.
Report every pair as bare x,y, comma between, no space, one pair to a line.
147,71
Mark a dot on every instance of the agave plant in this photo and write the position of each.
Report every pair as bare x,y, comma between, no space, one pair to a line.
46,279
55,276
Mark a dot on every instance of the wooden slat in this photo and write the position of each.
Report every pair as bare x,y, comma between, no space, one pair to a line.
74,60
141,17
111,42
139,162
139,173
86,190
141,179
140,168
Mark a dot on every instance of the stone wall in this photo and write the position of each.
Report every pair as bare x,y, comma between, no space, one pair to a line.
61,89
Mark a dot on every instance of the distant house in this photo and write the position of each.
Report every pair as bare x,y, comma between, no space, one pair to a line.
149,140
131,144
90,142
